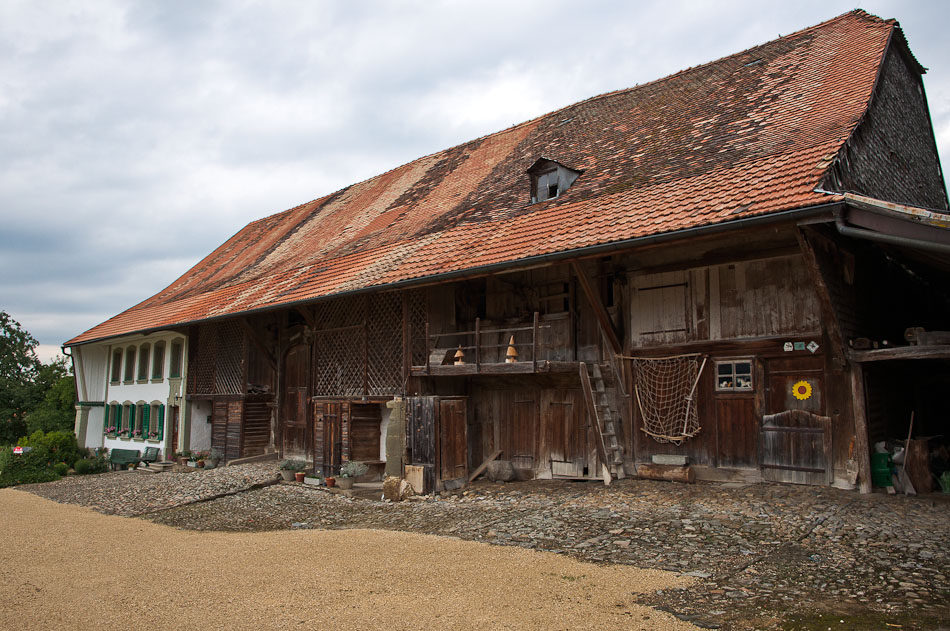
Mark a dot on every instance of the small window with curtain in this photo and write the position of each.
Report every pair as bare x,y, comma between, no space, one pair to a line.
734,375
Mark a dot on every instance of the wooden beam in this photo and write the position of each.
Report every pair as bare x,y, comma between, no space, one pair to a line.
602,316
824,298
307,315
862,451
481,468
258,342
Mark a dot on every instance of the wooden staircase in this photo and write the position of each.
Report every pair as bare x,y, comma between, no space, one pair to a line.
605,418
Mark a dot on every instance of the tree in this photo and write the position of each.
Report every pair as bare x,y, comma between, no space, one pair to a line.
19,368
57,410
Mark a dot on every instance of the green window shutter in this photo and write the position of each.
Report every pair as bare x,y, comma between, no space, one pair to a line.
105,418
131,418
161,422
146,411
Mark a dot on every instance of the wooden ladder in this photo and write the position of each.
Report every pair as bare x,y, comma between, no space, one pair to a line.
605,419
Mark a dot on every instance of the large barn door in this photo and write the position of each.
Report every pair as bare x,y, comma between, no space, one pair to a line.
295,439
453,439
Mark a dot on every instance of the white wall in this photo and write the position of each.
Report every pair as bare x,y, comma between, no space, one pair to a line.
200,437
93,373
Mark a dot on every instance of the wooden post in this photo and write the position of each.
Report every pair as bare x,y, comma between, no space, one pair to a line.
829,317
862,452
428,352
478,329
602,316
534,343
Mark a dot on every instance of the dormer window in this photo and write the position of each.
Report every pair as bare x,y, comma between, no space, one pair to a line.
549,179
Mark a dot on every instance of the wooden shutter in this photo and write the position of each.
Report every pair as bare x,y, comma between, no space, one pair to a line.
146,412
105,418
161,422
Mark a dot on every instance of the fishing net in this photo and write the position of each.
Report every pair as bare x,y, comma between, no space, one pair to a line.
665,391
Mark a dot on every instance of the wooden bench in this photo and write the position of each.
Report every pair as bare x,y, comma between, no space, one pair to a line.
123,458
150,455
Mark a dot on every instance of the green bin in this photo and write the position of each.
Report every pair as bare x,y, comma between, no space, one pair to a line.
881,469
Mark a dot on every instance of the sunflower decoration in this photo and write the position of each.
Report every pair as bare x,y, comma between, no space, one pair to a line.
801,390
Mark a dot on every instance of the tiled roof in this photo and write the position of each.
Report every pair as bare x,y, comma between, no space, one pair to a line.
746,135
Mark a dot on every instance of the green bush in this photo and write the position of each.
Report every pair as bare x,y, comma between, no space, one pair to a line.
86,466
26,468
61,445
61,469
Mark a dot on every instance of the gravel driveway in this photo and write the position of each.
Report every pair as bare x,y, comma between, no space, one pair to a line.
763,556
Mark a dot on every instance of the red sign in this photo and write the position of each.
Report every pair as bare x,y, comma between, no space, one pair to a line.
18,450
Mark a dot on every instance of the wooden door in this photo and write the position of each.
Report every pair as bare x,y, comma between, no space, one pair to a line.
422,436
173,447
295,437
453,439
329,420
795,436
565,436
519,429
737,431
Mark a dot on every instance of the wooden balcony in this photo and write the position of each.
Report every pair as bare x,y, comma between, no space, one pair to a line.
484,351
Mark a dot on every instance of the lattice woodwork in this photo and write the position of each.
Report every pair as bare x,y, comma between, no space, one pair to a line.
215,360
229,372
203,349
338,362
340,312
418,314
384,369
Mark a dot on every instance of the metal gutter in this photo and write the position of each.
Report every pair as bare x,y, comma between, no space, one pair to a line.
796,214
871,235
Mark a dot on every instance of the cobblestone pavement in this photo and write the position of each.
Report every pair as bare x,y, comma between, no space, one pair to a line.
767,555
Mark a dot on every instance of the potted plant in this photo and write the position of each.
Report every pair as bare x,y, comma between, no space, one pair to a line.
311,480
111,431
289,468
349,472
153,435
300,475
183,457
331,481
137,434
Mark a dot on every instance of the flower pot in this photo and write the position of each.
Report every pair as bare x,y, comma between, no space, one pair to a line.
287,475
201,464
192,464
300,475
345,483
331,482
182,461
311,480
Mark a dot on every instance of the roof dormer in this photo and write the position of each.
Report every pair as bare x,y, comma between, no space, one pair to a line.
549,179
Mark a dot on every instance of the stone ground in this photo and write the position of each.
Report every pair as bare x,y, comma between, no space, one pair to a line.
765,555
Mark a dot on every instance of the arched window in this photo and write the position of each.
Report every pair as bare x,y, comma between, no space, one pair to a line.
158,361
143,361
116,365
174,369
130,364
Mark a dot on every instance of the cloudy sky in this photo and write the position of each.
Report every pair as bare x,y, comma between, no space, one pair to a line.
135,137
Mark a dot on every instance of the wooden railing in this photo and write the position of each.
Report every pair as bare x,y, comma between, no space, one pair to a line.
473,344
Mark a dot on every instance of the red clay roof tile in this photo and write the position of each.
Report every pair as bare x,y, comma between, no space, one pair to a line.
746,135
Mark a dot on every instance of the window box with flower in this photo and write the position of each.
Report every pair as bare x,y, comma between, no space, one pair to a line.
153,435
137,435
123,433
111,431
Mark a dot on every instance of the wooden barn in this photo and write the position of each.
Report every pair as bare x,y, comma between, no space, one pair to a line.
744,263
